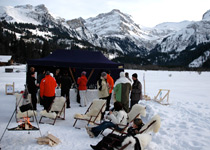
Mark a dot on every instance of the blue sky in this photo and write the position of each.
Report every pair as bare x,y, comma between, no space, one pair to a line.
144,12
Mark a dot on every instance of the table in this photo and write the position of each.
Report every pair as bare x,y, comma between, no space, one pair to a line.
91,94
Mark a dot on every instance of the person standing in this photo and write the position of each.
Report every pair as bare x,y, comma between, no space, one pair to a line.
102,86
32,69
32,89
127,76
103,90
136,92
41,76
110,82
47,90
66,83
39,79
122,90
57,77
82,82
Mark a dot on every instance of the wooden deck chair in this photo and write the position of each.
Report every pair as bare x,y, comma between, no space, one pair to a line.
93,113
136,112
19,102
57,110
143,137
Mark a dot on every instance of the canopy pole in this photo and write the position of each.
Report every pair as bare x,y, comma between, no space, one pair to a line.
90,74
72,75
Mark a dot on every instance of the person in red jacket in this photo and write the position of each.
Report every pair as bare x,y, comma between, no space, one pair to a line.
82,82
47,90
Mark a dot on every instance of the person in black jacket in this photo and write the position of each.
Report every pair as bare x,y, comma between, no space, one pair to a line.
112,140
136,91
66,83
39,79
57,77
32,89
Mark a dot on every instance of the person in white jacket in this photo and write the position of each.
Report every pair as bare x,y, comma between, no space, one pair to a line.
118,116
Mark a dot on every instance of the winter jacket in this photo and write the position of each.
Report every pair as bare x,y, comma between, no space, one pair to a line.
57,79
65,82
136,92
47,86
122,91
82,82
118,117
40,77
32,88
102,87
110,82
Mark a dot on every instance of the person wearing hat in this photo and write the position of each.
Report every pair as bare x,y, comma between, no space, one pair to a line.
136,92
82,82
122,88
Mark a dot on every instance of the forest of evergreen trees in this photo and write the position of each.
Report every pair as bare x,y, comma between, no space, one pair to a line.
29,46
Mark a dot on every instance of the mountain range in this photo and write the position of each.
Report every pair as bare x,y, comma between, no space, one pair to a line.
185,43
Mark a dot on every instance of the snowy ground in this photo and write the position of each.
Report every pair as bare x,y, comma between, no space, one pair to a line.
185,123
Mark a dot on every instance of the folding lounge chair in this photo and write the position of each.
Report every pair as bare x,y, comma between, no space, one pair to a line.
143,137
93,113
57,110
129,142
19,102
136,112
152,126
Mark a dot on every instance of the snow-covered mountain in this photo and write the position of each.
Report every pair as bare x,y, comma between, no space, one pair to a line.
187,39
193,34
36,15
114,31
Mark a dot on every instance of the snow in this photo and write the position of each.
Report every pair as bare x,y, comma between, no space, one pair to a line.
47,35
206,15
5,58
200,60
18,14
174,26
185,122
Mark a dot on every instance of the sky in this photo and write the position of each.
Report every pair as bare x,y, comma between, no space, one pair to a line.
144,12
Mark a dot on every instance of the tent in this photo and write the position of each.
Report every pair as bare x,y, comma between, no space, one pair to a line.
76,61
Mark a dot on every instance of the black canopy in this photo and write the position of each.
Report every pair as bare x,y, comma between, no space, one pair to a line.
76,59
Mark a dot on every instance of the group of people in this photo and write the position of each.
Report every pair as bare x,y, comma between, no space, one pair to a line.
47,84
117,119
121,89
